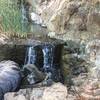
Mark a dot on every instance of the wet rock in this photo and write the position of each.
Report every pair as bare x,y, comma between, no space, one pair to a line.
32,74
10,77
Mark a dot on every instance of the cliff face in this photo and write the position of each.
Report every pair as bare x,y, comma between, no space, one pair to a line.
72,19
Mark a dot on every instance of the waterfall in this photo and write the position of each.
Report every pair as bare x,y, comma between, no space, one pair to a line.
30,55
25,18
48,59
50,63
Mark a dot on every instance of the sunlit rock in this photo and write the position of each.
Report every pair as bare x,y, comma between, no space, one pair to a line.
51,34
11,96
36,18
55,92
72,19
91,90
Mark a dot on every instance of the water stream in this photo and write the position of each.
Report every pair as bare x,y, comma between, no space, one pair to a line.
50,66
48,58
30,55
42,56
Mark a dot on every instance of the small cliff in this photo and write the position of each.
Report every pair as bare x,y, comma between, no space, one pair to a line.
70,19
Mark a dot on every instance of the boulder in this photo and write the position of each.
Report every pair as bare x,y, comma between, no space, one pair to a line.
55,92
10,77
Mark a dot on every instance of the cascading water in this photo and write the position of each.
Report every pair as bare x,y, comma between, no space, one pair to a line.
30,55
32,72
50,66
25,17
47,53
27,24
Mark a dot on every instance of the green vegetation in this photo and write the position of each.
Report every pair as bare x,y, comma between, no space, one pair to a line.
11,16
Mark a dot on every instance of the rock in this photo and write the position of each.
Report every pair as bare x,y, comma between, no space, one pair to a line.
79,80
21,97
93,53
33,74
13,52
37,94
9,96
59,20
94,19
91,87
71,97
93,50
72,19
91,91
55,92
10,76
3,38
36,18
51,34
22,94
89,97
12,96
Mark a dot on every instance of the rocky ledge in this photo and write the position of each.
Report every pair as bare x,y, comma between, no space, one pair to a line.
55,92
70,19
